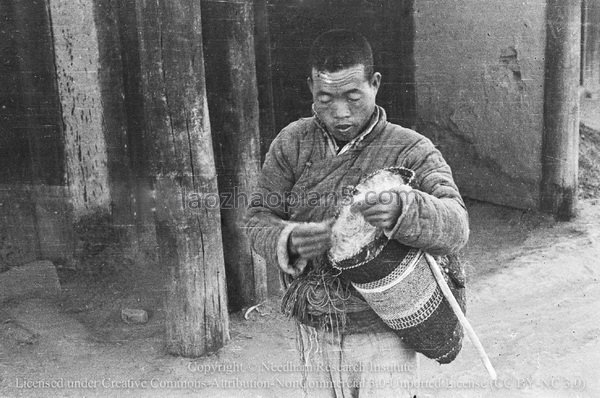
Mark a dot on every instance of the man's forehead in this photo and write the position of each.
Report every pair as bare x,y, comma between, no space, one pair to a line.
352,74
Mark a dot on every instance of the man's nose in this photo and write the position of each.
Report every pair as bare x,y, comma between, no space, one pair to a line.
341,110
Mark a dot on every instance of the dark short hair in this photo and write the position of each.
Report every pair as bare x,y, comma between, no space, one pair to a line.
339,49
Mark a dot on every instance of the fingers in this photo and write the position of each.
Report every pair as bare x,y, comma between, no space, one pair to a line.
311,239
313,230
313,250
310,244
311,234
382,216
377,202
381,220
378,209
310,249
382,213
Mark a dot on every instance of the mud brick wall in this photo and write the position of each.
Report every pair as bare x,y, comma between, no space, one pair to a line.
480,88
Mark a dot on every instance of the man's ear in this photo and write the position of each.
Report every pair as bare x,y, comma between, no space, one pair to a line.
309,82
376,80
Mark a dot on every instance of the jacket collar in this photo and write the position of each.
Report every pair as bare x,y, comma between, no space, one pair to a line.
378,115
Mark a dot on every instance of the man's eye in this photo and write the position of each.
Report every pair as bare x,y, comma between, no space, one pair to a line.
354,99
324,100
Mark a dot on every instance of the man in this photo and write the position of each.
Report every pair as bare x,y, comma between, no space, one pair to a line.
290,217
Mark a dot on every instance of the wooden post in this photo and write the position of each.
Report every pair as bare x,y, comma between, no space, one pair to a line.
90,88
112,91
264,76
137,141
233,104
77,61
180,152
590,55
561,109
266,104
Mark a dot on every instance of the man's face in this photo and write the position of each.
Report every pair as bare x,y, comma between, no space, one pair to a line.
344,100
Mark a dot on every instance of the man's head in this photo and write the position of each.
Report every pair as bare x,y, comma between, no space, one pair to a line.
342,82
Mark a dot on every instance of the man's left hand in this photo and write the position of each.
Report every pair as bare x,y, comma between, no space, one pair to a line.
381,211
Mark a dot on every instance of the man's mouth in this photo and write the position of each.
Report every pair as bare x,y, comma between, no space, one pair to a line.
343,128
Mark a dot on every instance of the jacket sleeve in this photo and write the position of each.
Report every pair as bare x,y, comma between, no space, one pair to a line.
267,215
434,217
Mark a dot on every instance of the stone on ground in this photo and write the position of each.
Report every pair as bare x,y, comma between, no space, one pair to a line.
132,315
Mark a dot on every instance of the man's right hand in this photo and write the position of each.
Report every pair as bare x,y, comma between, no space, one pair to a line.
308,240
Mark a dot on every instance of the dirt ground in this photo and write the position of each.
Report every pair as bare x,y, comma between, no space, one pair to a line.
533,298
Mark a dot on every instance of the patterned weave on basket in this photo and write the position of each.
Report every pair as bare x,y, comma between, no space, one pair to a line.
407,299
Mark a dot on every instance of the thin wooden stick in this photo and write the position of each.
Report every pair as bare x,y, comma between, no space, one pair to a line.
437,273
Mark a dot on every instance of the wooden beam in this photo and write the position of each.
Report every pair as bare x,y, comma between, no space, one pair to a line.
180,152
233,103
560,144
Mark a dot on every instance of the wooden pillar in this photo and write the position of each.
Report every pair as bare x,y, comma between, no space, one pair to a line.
89,76
114,122
590,55
180,152
136,131
264,76
233,104
77,60
266,104
561,109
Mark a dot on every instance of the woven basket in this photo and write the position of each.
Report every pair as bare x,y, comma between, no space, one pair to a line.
395,279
